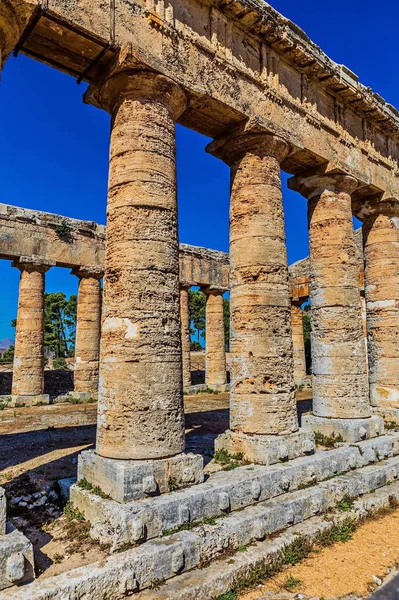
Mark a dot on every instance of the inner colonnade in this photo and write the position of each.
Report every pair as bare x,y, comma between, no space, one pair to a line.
270,100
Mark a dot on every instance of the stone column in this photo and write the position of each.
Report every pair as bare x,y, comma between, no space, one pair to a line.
381,258
140,406
12,23
88,322
185,336
215,347
298,342
341,403
28,369
263,416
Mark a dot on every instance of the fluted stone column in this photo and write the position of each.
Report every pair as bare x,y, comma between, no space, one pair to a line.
215,347
140,407
28,369
88,322
381,258
341,402
298,342
263,416
185,336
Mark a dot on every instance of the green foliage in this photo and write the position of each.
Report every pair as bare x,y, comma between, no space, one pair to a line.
60,323
339,532
346,504
227,596
391,426
60,363
229,461
196,312
291,583
327,441
195,346
296,551
63,230
8,355
4,403
94,489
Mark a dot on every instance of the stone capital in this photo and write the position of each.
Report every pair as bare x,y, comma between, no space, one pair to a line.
33,263
211,290
313,185
88,272
377,204
185,285
136,84
236,145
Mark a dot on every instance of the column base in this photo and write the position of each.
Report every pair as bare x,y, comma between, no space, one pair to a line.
14,401
266,449
126,480
351,430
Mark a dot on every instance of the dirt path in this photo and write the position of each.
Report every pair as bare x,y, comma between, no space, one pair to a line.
345,568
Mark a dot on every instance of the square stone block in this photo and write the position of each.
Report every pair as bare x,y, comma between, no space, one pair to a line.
267,449
16,559
126,480
28,400
351,430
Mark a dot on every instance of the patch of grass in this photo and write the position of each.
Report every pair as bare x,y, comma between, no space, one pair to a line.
296,551
63,230
327,441
188,526
229,461
291,583
209,391
4,402
227,596
391,426
242,548
74,400
346,504
173,484
94,489
338,532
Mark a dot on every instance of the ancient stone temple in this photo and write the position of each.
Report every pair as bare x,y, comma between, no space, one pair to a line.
271,101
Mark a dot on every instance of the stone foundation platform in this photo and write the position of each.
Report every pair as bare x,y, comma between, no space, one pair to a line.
351,430
15,401
126,480
266,449
83,396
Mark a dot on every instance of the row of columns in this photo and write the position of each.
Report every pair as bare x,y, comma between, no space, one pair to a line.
28,368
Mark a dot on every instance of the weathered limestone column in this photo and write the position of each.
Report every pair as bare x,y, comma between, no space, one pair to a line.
88,323
215,348
185,336
12,24
381,258
341,403
28,369
140,408
298,342
263,417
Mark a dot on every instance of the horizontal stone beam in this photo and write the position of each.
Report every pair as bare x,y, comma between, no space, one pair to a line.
64,242
238,61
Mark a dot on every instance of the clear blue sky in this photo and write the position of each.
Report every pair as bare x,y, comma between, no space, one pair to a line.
54,148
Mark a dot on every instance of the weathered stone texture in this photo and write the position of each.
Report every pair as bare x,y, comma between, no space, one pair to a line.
215,353
28,367
140,393
381,255
185,337
340,385
298,342
262,378
88,322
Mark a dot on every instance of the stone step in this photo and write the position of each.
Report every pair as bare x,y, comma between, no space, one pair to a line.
159,560
227,491
223,575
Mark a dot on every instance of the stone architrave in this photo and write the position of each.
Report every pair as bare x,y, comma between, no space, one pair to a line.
381,260
298,342
140,406
263,413
215,349
88,324
28,368
341,402
185,336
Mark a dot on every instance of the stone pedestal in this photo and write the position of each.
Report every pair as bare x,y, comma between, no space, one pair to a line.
127,480
381,258
298,343
350,430
215,350
339,366
88,323
140,405
262,397
185,337
28,368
